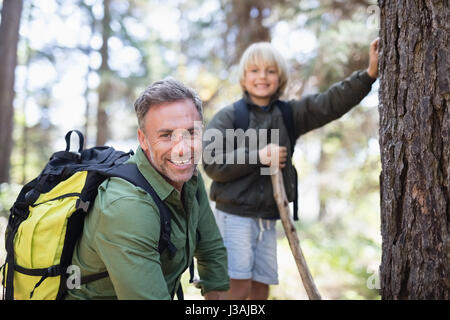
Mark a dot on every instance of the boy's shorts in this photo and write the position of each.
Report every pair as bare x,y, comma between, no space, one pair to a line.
251,246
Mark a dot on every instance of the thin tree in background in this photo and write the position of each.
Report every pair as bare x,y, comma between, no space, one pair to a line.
246,19
415,150
9,37
104,88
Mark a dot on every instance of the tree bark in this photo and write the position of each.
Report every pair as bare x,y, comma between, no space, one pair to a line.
247,18
415,149
9,38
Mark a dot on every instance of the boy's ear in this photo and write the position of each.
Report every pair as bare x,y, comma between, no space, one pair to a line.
242,81
243,86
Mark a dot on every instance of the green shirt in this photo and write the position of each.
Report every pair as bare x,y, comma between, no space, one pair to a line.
121,235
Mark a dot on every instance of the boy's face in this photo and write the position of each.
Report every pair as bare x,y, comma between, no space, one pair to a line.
261,83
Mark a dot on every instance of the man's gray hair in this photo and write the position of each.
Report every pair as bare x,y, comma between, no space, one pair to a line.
163,91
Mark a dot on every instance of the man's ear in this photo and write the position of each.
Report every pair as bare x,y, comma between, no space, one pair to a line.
141,138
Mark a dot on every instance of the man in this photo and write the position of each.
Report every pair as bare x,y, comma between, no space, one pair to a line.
121,233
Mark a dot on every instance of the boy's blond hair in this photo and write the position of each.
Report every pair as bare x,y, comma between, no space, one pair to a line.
263,54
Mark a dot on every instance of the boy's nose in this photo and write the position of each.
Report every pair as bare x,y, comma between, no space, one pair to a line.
262,74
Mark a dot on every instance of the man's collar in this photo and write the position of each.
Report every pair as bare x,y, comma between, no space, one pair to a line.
162,188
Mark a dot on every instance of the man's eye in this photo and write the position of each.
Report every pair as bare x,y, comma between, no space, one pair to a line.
165,135
195,133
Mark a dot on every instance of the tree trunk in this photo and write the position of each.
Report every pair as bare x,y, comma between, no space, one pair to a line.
415,149
9,37
104,88
247,17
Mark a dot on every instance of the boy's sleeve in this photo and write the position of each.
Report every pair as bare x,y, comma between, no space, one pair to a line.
217,150
210,251
314,111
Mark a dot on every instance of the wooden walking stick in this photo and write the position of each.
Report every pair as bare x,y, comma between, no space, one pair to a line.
279,194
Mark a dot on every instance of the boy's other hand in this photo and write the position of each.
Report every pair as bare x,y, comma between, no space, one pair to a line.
372,70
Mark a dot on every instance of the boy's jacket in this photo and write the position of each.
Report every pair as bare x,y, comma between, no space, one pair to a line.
241,188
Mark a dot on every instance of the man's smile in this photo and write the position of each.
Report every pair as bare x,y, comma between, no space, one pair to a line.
181,164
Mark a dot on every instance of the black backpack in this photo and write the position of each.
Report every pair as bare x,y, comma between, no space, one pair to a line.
84,170
242,120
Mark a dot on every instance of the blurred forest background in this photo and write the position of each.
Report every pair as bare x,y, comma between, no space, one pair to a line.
82,63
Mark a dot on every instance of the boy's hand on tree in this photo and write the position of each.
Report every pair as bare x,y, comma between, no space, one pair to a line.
372,70
273,155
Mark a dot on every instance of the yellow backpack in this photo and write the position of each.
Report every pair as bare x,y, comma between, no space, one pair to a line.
47,219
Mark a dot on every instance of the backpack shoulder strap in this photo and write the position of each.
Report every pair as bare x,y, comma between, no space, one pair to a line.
288,119
130,173
241,115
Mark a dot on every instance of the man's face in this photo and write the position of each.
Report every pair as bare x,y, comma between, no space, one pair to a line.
172,140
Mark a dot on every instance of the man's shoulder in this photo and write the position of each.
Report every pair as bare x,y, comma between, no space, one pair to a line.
121,211
116,191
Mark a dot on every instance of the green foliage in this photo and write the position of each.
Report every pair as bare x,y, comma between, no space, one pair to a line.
340,258
342,254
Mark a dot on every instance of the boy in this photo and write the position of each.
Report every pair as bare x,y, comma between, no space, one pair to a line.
246,211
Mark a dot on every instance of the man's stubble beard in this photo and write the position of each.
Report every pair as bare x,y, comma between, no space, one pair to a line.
163,170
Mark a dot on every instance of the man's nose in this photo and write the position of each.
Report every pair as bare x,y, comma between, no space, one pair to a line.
181,148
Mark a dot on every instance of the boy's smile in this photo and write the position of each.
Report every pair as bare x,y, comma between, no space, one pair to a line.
261,83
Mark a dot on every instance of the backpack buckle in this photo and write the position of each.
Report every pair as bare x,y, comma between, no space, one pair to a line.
83,205
54,271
